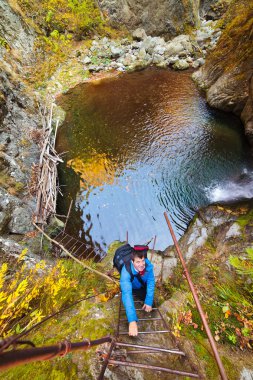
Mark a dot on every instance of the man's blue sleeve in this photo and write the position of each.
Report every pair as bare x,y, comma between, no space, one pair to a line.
127,295
150,288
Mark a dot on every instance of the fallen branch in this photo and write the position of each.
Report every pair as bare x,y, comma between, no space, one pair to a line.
74,258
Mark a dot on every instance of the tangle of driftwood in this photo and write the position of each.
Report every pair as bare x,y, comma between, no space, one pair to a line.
46,187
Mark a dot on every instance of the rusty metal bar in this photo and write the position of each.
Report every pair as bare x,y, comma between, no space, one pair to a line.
158,349
143,352
79,247
147,332
56,237
17,357
199,307
152,367
73,246
120,304
67,218
103,369
164,322
64,237
92,251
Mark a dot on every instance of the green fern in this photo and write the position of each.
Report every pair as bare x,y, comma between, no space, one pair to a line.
233,296
243,266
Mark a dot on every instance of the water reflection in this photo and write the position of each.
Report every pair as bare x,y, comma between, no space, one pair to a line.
141,144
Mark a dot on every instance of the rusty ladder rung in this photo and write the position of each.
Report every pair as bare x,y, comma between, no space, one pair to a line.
154,308
152,367
146,332
153,349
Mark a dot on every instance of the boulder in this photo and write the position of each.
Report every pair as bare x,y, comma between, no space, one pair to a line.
148,44
86,60
21,221
116,52
139,34
181,64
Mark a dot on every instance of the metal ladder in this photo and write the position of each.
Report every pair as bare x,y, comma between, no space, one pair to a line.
133,349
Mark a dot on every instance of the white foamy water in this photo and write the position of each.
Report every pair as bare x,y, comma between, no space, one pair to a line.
239,189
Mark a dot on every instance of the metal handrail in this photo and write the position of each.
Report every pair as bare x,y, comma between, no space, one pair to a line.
196,299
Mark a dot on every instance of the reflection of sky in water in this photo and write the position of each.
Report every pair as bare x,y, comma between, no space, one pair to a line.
140,145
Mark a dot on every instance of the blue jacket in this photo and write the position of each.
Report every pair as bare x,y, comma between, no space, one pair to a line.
127,286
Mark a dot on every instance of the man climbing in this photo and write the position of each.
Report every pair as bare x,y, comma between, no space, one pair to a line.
137,277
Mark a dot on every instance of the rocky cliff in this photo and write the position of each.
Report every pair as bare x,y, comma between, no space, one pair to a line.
156,17
227,73
18,123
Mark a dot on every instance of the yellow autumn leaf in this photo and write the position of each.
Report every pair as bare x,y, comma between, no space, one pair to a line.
103,298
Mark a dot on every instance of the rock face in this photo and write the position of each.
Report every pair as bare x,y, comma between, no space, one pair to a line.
213,9
162,17
18,35
226,75
18,123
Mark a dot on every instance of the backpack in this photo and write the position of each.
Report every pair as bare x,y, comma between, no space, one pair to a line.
122,257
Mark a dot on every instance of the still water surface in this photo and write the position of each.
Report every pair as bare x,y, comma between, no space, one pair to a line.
138,145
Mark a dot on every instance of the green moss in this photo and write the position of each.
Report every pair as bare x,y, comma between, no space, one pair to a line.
244,220
230,368
4,43
203,351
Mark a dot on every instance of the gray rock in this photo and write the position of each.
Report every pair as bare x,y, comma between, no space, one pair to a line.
21,221
11,248
148,44
157,58
173,59
139,34
180,44
163,17
116,52
158,49
142,54
19,35
181,64
199,62
95,68
4,220
86,60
